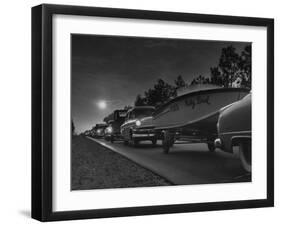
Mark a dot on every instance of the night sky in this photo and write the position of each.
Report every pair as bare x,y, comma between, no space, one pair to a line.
115,69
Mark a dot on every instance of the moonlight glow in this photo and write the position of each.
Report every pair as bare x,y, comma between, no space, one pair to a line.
102,104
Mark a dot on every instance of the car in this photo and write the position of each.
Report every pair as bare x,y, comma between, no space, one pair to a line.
138,126
87,133
235,129
90,132
114,122
99,130
108,131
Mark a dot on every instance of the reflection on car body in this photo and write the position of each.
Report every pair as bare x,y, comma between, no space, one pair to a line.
235,129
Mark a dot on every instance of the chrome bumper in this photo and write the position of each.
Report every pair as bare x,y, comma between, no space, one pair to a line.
135,135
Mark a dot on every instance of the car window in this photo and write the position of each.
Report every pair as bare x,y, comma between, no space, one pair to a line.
127,116
132,115
139,113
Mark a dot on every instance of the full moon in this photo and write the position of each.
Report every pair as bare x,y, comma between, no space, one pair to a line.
101,104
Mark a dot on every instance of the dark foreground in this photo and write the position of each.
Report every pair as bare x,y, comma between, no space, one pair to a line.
94,167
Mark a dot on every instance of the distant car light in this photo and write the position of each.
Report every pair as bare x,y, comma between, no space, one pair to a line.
99,131
138,122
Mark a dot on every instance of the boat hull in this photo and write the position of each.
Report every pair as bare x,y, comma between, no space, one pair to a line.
197,110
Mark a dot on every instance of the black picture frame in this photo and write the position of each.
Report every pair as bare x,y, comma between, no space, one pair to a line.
42,111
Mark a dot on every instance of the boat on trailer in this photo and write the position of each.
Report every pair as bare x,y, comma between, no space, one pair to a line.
192,116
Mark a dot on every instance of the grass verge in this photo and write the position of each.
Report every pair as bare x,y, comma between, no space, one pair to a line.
96,167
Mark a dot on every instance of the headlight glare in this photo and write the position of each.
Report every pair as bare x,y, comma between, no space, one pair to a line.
109,129
138,122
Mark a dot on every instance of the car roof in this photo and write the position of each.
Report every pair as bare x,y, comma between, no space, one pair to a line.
121,110
100,125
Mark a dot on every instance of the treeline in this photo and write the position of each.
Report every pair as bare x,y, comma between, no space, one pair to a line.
233,70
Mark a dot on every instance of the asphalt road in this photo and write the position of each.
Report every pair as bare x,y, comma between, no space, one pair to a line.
185,164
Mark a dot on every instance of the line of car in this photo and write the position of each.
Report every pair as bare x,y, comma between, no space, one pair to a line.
225,128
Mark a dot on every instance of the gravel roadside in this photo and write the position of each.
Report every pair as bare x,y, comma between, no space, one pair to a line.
96,167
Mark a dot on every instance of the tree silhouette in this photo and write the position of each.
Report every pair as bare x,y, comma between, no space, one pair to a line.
216,77
229,65
179,82
127,107
140,101
246,66
233,69
200,80
161,93
156,96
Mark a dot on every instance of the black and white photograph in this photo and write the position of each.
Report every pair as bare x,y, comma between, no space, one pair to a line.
140,112
151,112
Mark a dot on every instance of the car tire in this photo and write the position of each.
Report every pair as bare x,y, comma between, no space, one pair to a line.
111,139
125,142
167,142
172,141
154,141
133,142
211,147
245,154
